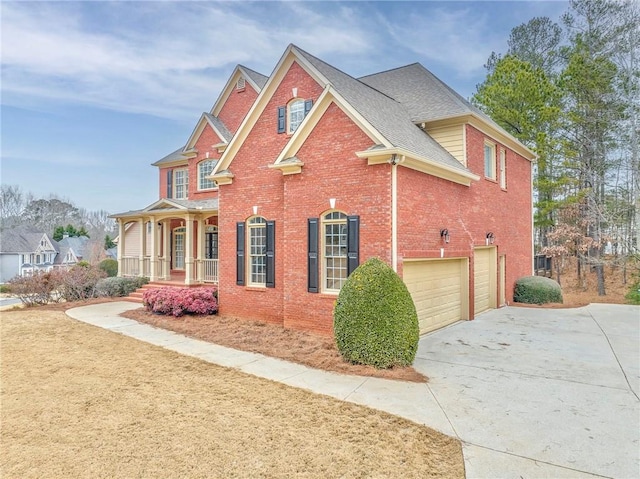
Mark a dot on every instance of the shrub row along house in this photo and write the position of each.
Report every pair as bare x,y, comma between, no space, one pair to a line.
290,181
25,251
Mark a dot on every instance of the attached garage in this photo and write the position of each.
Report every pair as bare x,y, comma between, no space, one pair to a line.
439,288
484,278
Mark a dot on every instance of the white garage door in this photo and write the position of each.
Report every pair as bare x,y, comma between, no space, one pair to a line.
436,287
484,276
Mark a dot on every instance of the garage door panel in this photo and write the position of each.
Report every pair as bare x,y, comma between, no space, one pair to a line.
436,289
484,279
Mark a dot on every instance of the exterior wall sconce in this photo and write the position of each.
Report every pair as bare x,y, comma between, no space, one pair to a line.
332,203
444,234
490,237
255,210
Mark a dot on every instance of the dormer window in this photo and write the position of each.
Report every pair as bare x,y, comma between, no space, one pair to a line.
290,116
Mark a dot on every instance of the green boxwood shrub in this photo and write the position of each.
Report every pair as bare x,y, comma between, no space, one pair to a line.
119,286
633,296
374,319
109,266
537,290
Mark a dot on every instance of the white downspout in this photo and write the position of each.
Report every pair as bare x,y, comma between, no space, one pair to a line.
394,216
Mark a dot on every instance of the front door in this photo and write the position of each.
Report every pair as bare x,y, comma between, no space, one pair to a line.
211,242
178,248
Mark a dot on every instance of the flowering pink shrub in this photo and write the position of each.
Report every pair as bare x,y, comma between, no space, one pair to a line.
179,301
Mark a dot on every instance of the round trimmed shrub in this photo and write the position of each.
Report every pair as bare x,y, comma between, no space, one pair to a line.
109,266
374,319
537,290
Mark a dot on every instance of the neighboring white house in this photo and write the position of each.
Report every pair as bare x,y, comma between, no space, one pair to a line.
24,250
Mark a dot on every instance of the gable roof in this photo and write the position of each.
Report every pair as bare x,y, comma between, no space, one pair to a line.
429,99
23,239
172,206
255,79
383,117
258,78
77,244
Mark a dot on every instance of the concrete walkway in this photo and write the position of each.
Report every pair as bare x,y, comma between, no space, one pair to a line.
531,393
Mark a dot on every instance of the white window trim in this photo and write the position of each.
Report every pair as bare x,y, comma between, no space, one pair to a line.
323,244
251,226
295,101
503,168
202,178
185,184
492,146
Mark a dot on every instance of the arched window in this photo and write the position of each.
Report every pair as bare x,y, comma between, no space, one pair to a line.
257,247
295,115
334,250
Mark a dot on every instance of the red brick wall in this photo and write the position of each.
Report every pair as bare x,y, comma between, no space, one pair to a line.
203,144
237,106
331,170
256,184
428,204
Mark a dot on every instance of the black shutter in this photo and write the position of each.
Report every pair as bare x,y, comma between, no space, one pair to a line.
169,183
282,112
271,246
240,262
353,243
312,254
307,106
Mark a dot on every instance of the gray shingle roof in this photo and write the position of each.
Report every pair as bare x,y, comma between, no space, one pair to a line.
425,96
171,157
217,122
21,239
388,116
77,244
258,78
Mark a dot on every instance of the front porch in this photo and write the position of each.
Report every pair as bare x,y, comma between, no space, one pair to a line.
170,241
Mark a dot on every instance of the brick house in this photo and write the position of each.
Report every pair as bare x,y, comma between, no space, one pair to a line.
292,180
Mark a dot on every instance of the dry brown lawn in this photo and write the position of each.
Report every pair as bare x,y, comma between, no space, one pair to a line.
78,401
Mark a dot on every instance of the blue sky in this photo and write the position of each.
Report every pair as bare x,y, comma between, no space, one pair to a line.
94,92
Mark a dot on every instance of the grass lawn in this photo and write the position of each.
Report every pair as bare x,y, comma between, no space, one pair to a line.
79,401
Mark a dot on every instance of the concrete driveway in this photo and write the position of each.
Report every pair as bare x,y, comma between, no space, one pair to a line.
541,392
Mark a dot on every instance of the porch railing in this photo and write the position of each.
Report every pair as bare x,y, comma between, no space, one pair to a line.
209,270
130,266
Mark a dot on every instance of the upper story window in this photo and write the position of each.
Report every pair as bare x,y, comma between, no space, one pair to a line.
290,116
295,115
503,169
180,184
204,169
490,160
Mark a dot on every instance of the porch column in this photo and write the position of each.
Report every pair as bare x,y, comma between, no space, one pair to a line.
200,250
153,266
166,249
120,245
142,237
188,251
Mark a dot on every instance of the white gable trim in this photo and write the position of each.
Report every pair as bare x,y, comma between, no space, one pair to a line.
230,86
200,126
410,160
328,96
290,55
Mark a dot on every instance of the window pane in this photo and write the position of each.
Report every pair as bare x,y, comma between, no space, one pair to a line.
258,250
296,115
335,250
205,168
489,161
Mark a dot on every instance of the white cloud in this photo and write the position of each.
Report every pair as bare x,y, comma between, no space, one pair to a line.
459,38
166,59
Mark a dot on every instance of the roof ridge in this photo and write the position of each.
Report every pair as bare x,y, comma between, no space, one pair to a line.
390,70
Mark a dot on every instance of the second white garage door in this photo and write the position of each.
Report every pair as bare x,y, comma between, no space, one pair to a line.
484,276
439,290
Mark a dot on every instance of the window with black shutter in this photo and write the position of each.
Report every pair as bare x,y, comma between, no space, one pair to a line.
240,257
312,255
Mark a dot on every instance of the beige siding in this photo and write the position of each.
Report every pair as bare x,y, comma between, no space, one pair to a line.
132,240
451,138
